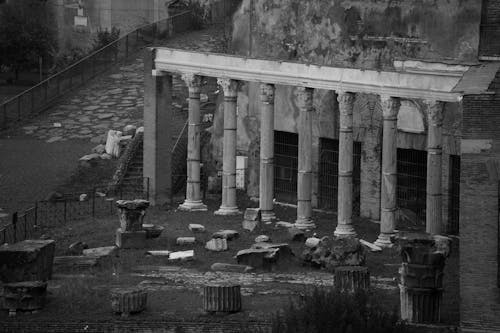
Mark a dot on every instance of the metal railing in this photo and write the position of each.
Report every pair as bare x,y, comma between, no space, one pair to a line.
39,97
69,207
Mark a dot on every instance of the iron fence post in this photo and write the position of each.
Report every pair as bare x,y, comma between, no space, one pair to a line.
5,115
36,213
58,85
65,209
19,108
14,225
93,203
126,46
32,100
45,91
83,73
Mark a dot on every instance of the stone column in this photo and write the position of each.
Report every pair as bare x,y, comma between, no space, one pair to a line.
304,176
193,194
157,131
228,205
266,186
388,205
434,213
344,212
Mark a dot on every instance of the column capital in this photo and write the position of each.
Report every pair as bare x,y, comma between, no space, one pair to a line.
346,102
192,81
229,86
434,112
267,93
304,98
390,107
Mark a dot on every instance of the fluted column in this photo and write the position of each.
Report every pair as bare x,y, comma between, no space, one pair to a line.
388,205
193,200
266,186
228,205
434,214
344,213
304,176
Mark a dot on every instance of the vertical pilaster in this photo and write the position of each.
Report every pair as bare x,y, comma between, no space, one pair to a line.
266,186
228,205
304,176
346,145
193,200
157,158
434,213
390,109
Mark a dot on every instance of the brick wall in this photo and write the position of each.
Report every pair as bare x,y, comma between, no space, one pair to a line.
480,296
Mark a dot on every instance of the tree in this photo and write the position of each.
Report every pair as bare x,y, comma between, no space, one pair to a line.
27,32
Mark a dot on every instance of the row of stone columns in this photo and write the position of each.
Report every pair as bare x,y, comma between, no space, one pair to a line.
390,109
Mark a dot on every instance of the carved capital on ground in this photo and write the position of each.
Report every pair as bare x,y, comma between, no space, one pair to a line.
267,93
304,98
390,107
346,102
434,112
229,86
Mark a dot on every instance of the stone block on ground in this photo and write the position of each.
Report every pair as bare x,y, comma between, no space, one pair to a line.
99,149
312,242
77,248
216,244
131,213
196,228
371,246
102,254
285,252
152,231
262,239
126,301
71,263
222,298
182,255
258,258
249,225
284,224
331,253
185,240
296,234
24,296
352,278
130,239
129,130
252,214
28,260
226,234
223,267
159,253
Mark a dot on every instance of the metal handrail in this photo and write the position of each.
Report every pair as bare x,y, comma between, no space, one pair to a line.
93,56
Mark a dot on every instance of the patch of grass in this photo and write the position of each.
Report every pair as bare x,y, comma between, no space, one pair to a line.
328,310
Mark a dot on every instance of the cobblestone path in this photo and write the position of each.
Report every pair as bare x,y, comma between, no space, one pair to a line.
44,151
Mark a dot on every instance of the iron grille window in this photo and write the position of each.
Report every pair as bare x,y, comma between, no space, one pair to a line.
454,197
329,171
412,179
286,150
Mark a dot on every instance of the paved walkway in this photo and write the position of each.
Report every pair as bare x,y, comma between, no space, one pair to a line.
38,156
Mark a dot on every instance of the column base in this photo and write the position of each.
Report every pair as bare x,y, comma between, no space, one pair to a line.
227,211
384,240
343,230
193,206
267,215
304,224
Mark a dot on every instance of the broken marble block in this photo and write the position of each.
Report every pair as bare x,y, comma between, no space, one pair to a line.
131,213
181,255
24,296
77,248
331,253
251,219
28,260
265,255
216,244
128,300
185,240
130,239
262,238
226,234
196,228
102,254
152,231
223,267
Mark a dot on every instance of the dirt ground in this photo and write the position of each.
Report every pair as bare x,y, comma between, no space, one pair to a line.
175,287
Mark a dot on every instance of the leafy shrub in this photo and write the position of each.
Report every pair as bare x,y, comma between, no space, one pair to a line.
336,312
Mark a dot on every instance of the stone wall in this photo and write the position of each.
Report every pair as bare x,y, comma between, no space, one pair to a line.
479,212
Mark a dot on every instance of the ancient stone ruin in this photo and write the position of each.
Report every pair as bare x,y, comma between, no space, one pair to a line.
131,233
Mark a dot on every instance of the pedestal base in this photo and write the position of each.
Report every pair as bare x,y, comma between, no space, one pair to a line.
344,230
267,215
130,239
24,296
222,298
193,206
227,211
352,278
384,240
304,224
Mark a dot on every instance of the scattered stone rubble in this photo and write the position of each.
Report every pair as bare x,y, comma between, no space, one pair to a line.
332,253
